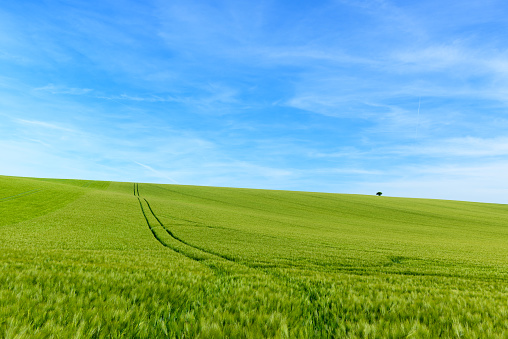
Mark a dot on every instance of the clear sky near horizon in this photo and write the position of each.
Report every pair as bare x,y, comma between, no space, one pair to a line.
405,97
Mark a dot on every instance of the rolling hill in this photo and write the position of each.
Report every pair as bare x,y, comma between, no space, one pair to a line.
101,259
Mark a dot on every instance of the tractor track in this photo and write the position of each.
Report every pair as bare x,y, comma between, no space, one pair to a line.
298,285
19,195
150,226
168,231
136,194
183,241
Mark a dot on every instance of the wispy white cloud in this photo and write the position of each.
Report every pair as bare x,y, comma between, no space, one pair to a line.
233,173
158,174
324,95
212,97
139,98
472,147
45,124
19,59
458,55
39,142
433,58
353,171
53,89
481,183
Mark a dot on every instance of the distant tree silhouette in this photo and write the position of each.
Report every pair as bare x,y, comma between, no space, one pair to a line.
379,194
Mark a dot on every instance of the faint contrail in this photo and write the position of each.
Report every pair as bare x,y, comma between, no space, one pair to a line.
418,119
160,174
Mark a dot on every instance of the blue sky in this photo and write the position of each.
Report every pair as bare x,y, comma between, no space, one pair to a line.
404,97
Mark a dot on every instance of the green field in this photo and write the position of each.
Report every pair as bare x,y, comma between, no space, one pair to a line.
106,259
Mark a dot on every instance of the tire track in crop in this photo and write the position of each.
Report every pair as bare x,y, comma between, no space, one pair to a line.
229,259
22,194
149,225
266,270
219,255
168,231
183,241
249,207
152,228
217,200
136,194
228,203
300,286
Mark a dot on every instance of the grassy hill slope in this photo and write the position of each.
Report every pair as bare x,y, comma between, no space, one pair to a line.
107,259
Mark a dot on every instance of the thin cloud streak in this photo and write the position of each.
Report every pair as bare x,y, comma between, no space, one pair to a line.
45,125
63,90
157,173
460,147
314,96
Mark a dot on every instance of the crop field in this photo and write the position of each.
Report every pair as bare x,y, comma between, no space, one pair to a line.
92,259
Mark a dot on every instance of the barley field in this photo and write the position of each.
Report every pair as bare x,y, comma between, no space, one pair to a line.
92,259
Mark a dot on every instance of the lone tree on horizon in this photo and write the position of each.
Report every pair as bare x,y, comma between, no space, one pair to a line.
379,194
